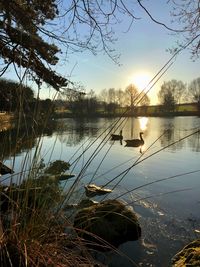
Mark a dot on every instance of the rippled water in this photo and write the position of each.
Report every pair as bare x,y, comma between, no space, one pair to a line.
168,209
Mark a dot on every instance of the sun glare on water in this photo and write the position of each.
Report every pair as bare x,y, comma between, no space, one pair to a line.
143,121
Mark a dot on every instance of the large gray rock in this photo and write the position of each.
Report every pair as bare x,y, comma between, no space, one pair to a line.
188,256
110,220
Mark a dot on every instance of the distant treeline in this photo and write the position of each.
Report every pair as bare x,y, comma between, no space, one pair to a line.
17,98
114,102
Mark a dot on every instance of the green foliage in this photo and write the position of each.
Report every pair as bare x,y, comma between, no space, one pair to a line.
21,25
38,191
13,95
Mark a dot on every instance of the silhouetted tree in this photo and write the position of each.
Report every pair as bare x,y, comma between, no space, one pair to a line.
21,26
111,95
166,96
91,103
131,95
14,96
187,15
171,93
120,97
111,108
143,99
194,91
179,90
103,96
29,40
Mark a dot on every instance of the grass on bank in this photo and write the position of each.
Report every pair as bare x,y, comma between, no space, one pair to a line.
153,110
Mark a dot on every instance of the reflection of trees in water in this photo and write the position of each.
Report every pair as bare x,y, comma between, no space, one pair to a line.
194,142
171,135
131,128
73,132
16,141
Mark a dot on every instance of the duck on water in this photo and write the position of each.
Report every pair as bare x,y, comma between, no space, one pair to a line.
135,142
117,136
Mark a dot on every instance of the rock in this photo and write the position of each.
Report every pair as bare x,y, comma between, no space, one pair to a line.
188,256
57,167
86,202
82,204
110,220
92,190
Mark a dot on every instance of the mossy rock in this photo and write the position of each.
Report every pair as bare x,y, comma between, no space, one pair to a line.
86,202
188,256
110,220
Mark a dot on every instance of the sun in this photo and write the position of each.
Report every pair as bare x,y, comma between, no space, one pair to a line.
141,80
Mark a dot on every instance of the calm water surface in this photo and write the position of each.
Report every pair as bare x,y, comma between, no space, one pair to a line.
168,210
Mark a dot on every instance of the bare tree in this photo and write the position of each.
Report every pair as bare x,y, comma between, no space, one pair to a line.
144,99
187,14
103,95
194,90
111,95
179,90
30,40
131,95
120,97
34,32
174,90
166,96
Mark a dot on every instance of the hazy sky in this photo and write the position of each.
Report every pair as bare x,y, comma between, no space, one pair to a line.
143,53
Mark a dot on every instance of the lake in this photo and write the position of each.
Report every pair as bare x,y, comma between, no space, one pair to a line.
161,180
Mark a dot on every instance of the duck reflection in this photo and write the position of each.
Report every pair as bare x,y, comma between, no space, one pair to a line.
194,142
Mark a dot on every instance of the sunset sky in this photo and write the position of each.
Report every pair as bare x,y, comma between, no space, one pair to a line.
143,51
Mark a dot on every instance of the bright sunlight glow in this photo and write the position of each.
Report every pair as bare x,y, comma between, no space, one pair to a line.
143,121
141,80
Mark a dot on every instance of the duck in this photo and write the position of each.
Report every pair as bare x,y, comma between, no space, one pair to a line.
117,136
135,142
4,169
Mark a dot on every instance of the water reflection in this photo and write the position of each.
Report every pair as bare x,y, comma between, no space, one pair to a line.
143,121
167,130
73,131
194,142
132,128
174,130
15,141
